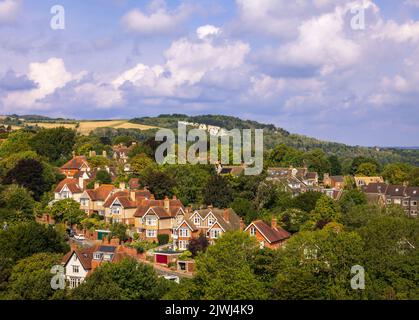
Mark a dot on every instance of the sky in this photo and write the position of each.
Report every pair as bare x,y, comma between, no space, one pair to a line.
337,70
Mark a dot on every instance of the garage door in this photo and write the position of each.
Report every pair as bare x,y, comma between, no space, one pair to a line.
161,259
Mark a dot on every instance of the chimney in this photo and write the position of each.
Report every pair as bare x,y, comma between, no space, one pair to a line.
97,185
226,215
122,185
104,154
90,153
274,223
132,195
174,198
241,225
74,154
166,203
152,197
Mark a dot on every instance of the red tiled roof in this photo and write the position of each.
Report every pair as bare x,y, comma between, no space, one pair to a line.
101,193
271,234
158,207
124,197
75,163
72,184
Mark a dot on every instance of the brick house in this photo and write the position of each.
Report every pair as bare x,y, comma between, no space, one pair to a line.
334,182
406,197
272,236
121,206
92,201
211,222
74,166
154,217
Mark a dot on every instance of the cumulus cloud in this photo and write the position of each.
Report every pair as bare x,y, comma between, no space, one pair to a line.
49,76
207,31
159,20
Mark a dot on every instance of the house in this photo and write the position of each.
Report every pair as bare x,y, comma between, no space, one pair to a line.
70,188
154,217
384,194
211,222
332,193
80,263
362,181
92,201
120,152
230,170
294,180
334,182
272,236
121,206
74,166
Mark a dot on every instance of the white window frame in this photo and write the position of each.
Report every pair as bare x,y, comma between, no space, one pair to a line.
184,232
211,221
76,269
116,210
151,233
183,244
215,233
197,221
151,221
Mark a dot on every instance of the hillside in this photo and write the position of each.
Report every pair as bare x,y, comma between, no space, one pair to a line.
274,136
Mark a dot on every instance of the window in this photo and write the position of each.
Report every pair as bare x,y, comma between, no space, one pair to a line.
252,231
183,232
151,221
151,234
397,201
197,221
405,203
183,244
117,220
75,257
215,233
84,202
414,203
97,256
75,282
75,269
116,210
211,221
388,201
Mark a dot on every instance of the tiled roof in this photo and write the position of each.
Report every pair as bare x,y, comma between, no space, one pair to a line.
395,191
375,188
75,163
271,234
233,222
338,178
101,193
72,184
158,207
412,191
85,256
134,183
124,197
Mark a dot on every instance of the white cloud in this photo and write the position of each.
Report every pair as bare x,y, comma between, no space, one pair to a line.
207,31
9,10
391,30
159,21
49,76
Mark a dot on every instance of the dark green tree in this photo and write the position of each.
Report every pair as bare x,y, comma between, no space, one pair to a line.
55,143
218,192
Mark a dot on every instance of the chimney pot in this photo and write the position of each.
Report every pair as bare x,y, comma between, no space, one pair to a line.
166,203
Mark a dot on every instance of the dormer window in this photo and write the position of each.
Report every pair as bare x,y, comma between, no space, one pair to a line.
197,221
211,221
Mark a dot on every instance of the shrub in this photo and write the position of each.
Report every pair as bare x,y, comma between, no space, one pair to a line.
163,239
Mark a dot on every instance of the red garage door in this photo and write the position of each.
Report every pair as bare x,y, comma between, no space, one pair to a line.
160,258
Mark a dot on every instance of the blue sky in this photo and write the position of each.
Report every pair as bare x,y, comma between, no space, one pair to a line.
298,64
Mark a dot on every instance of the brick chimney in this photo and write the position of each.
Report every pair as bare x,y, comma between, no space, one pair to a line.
152,197
97,185
274,222
122,185
241,225
166,204
132,195
226,215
